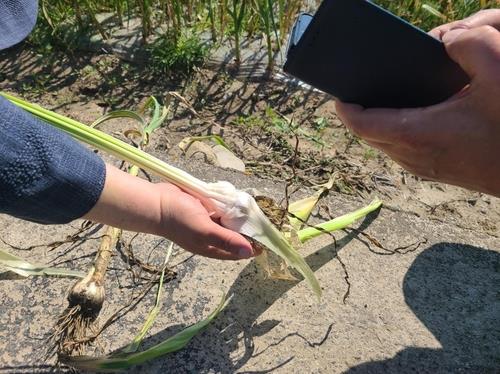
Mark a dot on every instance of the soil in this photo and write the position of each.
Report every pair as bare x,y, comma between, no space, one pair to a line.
280,131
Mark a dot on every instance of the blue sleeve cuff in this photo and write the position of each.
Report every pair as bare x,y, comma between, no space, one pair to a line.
45,175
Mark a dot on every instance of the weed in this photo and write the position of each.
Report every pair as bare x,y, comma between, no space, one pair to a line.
315,138
370,154
278,122
36,85
250,122
181,54
320,123
89,71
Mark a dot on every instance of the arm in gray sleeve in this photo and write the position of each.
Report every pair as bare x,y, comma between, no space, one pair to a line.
45,175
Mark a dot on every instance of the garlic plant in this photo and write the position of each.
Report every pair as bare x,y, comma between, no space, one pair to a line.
121,360
235,209
86,297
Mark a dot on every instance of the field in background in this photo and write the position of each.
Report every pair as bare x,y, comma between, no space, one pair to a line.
429,14
178,24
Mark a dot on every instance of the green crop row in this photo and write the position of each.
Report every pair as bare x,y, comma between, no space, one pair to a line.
61,21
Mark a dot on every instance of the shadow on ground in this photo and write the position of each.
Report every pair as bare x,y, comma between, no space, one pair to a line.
453,290
448,287
121,86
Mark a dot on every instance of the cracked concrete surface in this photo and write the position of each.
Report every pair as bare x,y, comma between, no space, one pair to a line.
435,309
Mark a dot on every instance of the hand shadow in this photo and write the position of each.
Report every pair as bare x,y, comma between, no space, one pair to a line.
454,290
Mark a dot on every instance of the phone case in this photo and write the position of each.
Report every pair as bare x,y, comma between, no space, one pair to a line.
361,53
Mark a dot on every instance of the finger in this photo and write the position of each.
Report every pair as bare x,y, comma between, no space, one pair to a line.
485,17
439,31
477,50
228,241
382,125
488,17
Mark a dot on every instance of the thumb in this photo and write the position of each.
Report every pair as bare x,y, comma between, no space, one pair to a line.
476,50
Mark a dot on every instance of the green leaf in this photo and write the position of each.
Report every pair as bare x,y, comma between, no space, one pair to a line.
153,313
186,142
338,223
113,363
25,269
301,209
157,121
151,102
157,118
119,114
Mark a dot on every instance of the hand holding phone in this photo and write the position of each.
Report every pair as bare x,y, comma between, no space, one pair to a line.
458,140
360,53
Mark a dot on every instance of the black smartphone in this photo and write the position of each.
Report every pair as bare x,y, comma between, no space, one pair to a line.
360,53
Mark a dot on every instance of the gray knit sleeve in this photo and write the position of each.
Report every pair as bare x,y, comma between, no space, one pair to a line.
45,175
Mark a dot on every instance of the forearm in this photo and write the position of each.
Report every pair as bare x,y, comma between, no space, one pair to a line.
128,202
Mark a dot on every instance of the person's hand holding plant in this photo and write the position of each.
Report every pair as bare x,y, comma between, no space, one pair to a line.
163,209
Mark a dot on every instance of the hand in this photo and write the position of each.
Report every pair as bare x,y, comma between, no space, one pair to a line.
135,204
457,141
187,222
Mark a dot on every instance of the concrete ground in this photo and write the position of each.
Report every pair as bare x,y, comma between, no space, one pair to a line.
435,309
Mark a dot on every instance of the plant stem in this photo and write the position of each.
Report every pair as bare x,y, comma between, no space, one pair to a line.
337,223
105,251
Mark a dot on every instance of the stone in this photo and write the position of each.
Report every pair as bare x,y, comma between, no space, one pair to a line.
227,159
201,151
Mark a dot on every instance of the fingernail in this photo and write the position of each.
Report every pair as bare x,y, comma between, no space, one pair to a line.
449,36
245,253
